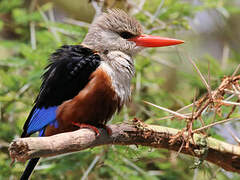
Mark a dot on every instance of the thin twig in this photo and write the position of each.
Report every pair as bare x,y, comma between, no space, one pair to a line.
209,77
128,162
231,92
52,19
185,107
85,175
159,60
194,105
66,32
235,89
225,55
147,13
157,12
33,35
230,97
169,117
201,120
233,135
45,18
98,8
233,109
180,149
75,22
236,70
141,4
138,83
230,103
201,76
212,121
213,124
181,116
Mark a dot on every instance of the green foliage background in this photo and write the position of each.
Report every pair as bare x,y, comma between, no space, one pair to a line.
21,67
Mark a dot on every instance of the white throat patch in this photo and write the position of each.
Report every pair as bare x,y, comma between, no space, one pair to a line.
120,67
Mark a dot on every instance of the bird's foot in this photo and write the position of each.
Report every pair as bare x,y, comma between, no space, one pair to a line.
95,129
82,125
108,129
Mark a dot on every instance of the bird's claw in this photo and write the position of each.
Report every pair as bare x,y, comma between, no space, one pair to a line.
108,129
82,125
95,129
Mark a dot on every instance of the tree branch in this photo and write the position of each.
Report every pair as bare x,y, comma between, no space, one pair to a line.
220,153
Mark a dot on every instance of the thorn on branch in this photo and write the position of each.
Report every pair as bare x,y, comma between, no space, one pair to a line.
213,101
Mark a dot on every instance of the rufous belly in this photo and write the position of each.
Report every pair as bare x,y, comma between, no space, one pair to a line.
94,105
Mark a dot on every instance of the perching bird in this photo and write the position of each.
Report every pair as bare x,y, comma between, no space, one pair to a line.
84,85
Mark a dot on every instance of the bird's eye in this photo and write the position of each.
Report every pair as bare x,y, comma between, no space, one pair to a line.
126,35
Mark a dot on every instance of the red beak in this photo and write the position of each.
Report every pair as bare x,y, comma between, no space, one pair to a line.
154,41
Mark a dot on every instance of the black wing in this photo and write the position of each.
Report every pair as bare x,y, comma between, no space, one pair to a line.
66,75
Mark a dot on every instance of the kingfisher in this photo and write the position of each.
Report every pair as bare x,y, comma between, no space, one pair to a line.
84,85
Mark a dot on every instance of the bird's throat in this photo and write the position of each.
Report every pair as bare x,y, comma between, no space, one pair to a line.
120,68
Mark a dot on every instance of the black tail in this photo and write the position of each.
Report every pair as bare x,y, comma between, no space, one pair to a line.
29,169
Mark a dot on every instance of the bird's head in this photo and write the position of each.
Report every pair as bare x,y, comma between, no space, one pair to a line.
116,31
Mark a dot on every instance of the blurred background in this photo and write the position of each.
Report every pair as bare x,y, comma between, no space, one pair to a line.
30,30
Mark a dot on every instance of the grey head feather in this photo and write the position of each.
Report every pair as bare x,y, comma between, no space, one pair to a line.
104,33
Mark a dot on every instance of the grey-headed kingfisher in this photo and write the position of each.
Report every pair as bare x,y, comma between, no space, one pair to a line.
84,85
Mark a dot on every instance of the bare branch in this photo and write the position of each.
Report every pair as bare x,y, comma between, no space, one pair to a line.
220,153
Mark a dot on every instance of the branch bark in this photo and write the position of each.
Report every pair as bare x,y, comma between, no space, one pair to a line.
220,153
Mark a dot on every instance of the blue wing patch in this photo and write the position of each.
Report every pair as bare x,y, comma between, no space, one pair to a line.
42,117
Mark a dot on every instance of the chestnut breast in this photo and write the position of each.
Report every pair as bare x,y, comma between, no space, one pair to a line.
95,104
